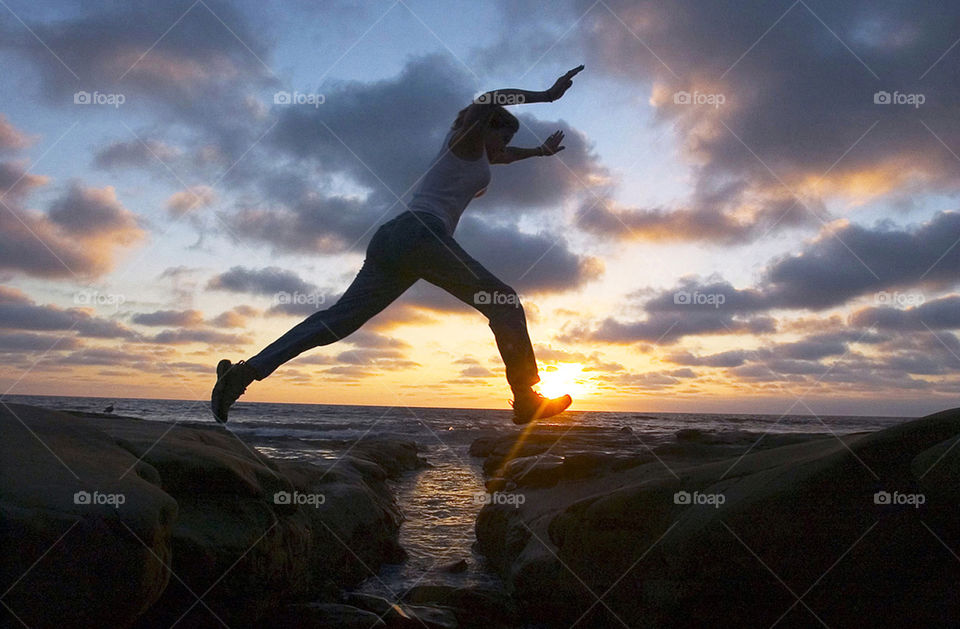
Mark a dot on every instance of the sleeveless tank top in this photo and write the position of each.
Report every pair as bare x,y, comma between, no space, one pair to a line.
449,185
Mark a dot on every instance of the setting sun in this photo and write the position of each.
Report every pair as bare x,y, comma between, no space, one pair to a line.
555,380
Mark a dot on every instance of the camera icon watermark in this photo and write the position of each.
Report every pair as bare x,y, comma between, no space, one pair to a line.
298,498
897,498
896,98
297,298
696,498
496,298
883,298
498,98
96,98
298,98
96,298
696,298
98,498
697,98
499,498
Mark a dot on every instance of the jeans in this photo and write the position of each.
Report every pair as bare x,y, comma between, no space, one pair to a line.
413,246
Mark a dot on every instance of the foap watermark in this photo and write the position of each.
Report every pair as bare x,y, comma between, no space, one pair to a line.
897,98
499,98
298,98
698,98
696,498
496,298
297,298
98,498
96,298
499,498
98,98
298,498
897,498
883,298
696,298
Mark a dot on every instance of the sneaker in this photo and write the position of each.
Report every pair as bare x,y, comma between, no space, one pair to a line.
534,406
232,381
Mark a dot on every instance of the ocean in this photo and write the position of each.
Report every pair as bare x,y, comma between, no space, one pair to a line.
439,503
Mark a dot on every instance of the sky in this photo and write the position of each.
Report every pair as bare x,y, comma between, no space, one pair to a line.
755,212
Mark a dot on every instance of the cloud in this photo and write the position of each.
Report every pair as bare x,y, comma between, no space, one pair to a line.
95,214
179,318
937,314
11,138
16,182
19,312
206,337
81,235
845,261
29,342
267,281
134,50
476,371
799,120
532,263
235,318
726,218
193,197
135,154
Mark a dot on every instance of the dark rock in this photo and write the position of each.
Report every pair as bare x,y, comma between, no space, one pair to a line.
323,616
474,607
690,539
430,617
393,615
106,565
455,567
534,471
200,516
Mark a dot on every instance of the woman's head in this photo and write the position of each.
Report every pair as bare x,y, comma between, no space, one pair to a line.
502,122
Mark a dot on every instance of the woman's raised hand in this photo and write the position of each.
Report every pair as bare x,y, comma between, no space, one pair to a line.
552,145
562,84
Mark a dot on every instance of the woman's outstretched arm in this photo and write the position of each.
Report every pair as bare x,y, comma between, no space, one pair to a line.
515,96
514,153
478,114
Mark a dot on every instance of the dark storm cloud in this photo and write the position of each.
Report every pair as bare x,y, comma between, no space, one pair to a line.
19,312
267,281
177,52
29,342
528,262
206,337
669,327
797,98
938,314
844,262
732,358
91,212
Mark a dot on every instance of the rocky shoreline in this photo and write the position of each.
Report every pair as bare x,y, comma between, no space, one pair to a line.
120,522
725,530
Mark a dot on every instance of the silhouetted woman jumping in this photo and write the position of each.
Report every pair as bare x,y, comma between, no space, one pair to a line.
419,244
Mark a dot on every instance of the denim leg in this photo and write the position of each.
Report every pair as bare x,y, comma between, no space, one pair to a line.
376,286
443,262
